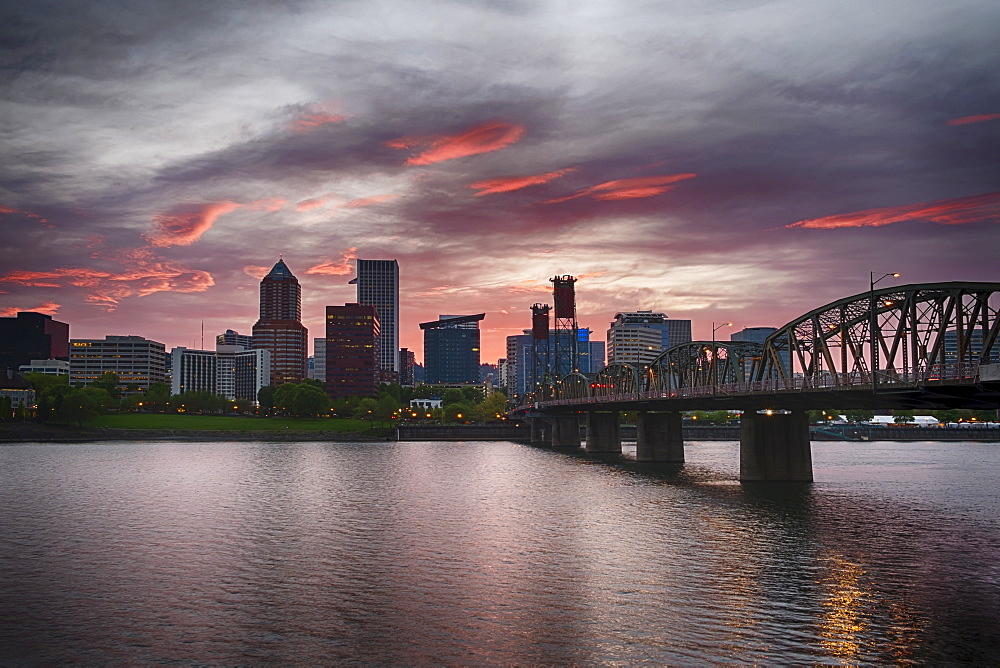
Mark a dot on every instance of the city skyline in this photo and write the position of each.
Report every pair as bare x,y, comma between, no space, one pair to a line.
743,162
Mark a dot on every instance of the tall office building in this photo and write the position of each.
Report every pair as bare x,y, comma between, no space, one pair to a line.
233,338
137,361
638,337
378,286
352,350
232,372
451,349
407,362
32,336
280,328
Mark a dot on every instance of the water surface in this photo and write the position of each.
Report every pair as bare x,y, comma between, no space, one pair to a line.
494,553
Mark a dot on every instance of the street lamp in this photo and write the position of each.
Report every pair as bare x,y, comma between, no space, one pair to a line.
873,323
715,354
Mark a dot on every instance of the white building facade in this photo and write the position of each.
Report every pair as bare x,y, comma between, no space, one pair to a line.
229,371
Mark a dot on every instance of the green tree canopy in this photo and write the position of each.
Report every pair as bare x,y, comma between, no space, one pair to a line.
110,383
452,396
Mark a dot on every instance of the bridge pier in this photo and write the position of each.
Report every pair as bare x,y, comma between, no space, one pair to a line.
775,447
659,437
603,432
538,431
565,432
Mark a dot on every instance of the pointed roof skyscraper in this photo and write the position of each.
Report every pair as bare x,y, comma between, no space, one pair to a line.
280,328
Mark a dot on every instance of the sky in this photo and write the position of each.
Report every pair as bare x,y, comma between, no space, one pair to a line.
739,161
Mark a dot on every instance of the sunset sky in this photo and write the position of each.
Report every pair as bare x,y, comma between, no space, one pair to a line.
718,160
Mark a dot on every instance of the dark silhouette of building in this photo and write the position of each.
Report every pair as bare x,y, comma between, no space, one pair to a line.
407,362
352,350
280,328
451,349
32,336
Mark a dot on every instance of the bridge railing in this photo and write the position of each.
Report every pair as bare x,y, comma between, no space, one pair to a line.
887,379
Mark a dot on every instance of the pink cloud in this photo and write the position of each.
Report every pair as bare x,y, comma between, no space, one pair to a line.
185,223
958,211
256,271
312,203
143,274
966,120
483,138
269,204
48,308
369,201
341,267
508,184
635,188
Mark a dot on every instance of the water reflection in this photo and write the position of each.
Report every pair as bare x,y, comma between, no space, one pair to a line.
492,553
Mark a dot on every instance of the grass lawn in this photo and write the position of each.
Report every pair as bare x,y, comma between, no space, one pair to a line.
224,423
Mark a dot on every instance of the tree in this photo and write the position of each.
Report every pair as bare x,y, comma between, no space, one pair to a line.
265,397
901,416
75,406
473,395
452,396
314,382
6,408
365,410
157,396
109,382
42,382
858,415
305,399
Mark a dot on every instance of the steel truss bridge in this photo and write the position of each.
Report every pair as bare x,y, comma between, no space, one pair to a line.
918,346
930,342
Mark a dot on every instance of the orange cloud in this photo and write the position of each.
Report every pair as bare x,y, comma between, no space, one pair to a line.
369,201
315,119
504,185
341,267
184,224
958,211
639,187
48,308
29,214
966,120
490,136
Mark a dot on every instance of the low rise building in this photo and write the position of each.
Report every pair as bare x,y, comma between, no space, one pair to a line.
138,362
229,371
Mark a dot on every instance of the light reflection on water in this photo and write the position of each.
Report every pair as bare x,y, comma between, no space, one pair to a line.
494,553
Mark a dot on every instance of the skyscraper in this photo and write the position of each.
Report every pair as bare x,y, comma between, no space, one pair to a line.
451,349
378,286
352,336
638,337
280,328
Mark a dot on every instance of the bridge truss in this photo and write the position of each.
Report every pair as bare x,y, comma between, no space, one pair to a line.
921,335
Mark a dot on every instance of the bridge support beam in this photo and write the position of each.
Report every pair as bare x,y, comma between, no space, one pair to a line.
538,431
603,432
775,447
565,431
659,437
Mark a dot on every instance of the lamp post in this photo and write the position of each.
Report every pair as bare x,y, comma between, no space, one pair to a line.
873,324
715,354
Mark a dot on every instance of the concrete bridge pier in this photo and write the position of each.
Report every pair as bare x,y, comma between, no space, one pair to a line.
603,432
565,431
538,431
775,448
659,437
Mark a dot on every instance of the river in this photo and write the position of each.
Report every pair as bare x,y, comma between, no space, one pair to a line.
494,553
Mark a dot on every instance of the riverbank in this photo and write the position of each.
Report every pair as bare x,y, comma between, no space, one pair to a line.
27,432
